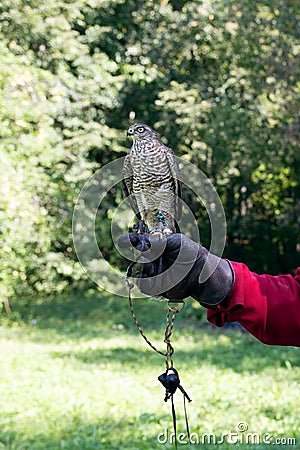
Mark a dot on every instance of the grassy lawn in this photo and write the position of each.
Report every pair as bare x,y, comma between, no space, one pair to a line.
75,374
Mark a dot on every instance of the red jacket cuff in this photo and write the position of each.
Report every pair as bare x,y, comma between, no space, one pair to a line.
239,307
267,306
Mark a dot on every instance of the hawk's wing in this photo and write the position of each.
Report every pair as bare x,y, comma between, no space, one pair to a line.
175,173
127,181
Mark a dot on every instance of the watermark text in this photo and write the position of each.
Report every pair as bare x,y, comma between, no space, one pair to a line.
239,436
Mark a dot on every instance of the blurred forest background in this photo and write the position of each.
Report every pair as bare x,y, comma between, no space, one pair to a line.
220,80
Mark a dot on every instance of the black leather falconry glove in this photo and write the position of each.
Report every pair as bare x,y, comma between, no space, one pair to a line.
175,267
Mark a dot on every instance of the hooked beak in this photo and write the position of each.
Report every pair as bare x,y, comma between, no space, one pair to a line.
129,132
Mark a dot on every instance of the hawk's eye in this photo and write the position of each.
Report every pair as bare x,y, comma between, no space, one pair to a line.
141,129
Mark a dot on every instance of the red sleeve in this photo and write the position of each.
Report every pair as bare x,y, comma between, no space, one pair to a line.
267,306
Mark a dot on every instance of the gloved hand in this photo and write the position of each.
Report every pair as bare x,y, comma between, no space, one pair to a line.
176,267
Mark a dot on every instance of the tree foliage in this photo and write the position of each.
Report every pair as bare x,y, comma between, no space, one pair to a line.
219,80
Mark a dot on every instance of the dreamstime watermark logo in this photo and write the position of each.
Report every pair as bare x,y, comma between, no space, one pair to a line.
241,435
89,246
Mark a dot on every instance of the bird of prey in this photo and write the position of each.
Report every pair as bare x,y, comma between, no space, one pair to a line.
151,181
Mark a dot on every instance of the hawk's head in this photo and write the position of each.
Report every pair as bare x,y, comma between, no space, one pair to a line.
139,131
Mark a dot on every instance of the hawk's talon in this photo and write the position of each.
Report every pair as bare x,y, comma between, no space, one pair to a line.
140,227
162,226
156,232
160,231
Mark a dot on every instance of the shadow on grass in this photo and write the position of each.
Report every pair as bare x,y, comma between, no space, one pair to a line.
241,356
63,314
146,432
106,434
79,318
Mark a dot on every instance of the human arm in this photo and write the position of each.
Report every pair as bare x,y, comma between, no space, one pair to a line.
267,306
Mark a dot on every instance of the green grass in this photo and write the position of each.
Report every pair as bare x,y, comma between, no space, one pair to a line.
82,378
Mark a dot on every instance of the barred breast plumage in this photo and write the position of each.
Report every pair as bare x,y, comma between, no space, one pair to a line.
151,178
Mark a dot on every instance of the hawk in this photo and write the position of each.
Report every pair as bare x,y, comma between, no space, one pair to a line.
151,180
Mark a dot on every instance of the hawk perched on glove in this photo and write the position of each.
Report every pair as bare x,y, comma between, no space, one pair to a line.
151,180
